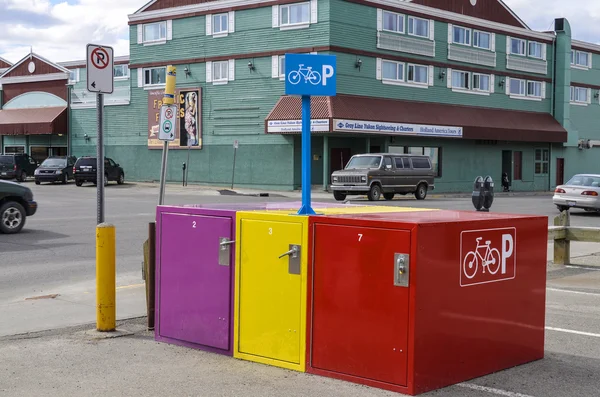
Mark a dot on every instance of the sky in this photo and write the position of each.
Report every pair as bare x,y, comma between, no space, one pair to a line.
60,29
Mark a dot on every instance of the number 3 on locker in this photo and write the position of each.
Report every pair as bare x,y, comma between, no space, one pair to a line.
270,230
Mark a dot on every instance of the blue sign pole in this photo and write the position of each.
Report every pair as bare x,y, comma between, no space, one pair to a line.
306,76
306,208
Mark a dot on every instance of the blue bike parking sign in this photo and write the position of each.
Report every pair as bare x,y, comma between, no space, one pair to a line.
310,74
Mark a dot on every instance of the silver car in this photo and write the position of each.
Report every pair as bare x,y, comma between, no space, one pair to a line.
581,191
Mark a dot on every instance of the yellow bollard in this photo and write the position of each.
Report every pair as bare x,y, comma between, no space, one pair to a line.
171,74
105,277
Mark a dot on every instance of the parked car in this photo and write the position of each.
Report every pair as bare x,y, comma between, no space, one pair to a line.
16,204
84,170
384,173
17,166
581,191
55,169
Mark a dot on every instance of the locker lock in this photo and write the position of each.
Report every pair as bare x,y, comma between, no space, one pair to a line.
401,270
294,257
225,251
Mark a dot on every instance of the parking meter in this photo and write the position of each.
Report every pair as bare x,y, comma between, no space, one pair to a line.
183,177
477,196
488,188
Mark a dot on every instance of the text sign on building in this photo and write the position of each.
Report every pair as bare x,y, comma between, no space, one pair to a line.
310,75
168,117
488,256
282,126
99,69
396,128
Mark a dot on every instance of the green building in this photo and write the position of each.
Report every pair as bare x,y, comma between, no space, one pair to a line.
466,82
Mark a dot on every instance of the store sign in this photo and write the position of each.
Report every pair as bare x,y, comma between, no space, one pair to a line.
188,123
321,125
396,128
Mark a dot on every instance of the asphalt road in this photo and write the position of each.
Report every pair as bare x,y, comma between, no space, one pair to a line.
55,254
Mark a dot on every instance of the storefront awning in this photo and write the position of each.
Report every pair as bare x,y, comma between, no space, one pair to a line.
33,121
366,115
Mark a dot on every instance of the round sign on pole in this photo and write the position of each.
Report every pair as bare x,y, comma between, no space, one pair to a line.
100,58
167,126
169,114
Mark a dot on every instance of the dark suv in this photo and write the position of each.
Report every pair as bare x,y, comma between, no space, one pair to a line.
85,171
17,166
16,204
55,169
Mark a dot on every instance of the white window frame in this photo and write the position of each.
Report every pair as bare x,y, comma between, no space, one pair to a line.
418,19
522,84
573,97
288,6
408,66
221,31
221,80
401,78
468,80
478,46
159,40
281,67
490,81
76,73
125,76
575,59
468,35
541,45
524,46
534,82
398,18
150,84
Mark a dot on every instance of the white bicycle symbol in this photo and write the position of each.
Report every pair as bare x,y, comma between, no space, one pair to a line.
473,258
309,75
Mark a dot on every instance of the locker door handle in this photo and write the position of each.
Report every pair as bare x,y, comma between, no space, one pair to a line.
223,244
401,270
225,251
292,252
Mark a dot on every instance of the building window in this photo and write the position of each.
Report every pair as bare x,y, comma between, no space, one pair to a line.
580,58
517,46
155,31
393,22
73,75
220,71
482,40
534,89
219,23
392,70
155,76
517,87
518,169
294,14
541,161
579,94
121,71
460,80
461,35
281,66
418,74
535,50
481,82
418,27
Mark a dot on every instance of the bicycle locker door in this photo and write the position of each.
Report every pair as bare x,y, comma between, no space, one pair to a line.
360,305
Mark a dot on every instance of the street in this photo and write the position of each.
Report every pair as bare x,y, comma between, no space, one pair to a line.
53,261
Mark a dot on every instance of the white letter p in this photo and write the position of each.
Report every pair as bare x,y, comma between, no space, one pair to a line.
507,250
327,73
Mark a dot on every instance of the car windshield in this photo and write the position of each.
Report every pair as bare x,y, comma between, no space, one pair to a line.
7,159
364,162
585,180
54,163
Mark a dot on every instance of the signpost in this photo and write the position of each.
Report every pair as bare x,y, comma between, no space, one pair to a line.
308,75
236,145
166,133
99,66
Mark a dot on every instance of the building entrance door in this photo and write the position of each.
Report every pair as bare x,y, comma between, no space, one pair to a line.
339,158
560,171
507,165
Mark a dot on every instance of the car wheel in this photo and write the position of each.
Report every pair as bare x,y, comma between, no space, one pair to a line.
374,193
388,196
105,180
339,196
121,179
12,217
421,192
37,182
22,176
78,183
65,179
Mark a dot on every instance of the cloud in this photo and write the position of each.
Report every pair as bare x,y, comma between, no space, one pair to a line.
584,16
59,31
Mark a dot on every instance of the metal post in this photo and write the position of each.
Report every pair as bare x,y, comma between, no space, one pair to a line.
105,278
326,174
100,160
233,171
187,170
163,172
306,208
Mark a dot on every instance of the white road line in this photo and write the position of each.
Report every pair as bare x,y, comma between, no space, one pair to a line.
573,292
582,267
492,390
571,331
